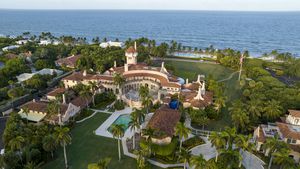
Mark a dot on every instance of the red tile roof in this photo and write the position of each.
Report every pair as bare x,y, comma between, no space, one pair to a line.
289,131
295,113
165,119
69,61
42,106
56,91
130,50
80,102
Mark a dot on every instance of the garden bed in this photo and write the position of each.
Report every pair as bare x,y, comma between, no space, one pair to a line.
192,142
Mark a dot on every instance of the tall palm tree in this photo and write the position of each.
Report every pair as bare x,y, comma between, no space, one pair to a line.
283,159
119,80
185,155
118,132
229,134
272,145
143,92
198,162
134,124
62,137
141,158
255,108
140,114
146,102
219,103
49,144
239,115
182,131
272,110
217,141
86,94
94,88
53,107
244,144
232,157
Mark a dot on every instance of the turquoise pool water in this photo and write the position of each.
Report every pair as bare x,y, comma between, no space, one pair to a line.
123,120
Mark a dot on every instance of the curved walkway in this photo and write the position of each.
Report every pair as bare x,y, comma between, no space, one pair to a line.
230,77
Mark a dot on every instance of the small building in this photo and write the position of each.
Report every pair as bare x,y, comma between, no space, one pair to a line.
111,44
25,76
69,62
12,47
45,42
287,131
22,42
163,122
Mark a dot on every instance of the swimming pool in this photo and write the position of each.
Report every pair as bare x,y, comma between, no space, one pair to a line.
123,120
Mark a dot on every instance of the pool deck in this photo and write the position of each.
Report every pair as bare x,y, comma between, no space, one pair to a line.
103,129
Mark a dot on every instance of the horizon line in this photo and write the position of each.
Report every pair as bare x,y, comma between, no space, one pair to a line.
199,10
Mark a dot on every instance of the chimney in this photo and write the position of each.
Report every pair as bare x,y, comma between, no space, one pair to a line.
162,65
125,67
84,73
198,79
115,63
199,95
64,99
135,45
187,81
33,100
203,88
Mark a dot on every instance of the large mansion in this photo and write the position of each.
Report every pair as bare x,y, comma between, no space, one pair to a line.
161,83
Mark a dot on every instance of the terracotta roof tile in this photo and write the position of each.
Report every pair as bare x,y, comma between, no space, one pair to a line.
56,91
130,50
164,119
289,131
295,113
68,61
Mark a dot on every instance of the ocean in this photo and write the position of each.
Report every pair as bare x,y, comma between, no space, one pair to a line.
258,32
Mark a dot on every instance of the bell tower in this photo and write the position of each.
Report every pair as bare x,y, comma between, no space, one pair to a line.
131,55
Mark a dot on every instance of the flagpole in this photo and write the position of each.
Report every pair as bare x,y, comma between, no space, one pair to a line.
241,67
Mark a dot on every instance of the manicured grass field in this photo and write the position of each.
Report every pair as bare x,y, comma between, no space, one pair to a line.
232,91
87,148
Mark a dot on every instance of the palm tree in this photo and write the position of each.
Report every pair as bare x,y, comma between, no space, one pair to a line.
272,110
49,144
118,132
32,165
229,134
16,143
239,115
272,145
185,155
141,158
140,114
143,91
103,163
93,87
146,102
62,137
255,108
244,144
219,103
217,141
148,133
134,124
119,80
282,158
231,156
86,94
182,132
198,162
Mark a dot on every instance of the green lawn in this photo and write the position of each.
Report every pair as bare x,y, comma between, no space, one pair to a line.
232,89
86,148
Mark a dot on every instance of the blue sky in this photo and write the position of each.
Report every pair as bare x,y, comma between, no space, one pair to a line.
240,5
